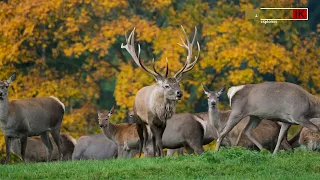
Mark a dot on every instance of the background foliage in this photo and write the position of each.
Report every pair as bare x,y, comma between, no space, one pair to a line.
71,49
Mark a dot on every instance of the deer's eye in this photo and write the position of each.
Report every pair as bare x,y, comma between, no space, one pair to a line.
166,86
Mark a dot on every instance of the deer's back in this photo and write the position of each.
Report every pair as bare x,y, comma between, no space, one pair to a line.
34,115
180,129
270,100
96,146
126,132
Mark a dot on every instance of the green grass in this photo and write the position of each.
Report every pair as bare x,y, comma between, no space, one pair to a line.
235,163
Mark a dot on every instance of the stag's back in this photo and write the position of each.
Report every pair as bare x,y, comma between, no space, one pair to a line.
34,115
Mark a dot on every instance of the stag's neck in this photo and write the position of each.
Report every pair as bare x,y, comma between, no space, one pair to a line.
214,117
161,106
4,110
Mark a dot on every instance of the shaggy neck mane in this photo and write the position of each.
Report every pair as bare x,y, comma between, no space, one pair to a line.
162,107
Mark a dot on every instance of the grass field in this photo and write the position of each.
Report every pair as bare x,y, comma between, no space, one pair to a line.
233,163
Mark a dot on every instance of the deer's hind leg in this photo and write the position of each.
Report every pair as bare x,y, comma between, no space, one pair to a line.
56,137
23,141
47,142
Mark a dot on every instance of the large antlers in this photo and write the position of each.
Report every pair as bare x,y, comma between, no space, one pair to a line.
188,65
131,50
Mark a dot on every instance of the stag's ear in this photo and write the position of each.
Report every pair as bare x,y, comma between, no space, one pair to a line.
205,89
220,91
12,78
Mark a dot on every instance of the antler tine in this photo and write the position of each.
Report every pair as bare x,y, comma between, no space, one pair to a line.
188,66
154,68
131,50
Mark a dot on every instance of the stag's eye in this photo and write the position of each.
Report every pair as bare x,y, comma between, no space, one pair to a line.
166,86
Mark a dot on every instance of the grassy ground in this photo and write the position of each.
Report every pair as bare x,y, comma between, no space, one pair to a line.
233,163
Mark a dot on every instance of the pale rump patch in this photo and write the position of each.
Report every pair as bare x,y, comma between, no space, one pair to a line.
202,122
64,109
232,91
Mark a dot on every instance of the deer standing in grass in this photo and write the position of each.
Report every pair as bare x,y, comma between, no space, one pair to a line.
155,104
123,134
277,101
29,117
266,132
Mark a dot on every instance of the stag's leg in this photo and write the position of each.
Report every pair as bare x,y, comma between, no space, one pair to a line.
157,133
47,142
56,137
180,151
8,146
197,148
140,133
23,142
145,137
253,123
283,131
234,118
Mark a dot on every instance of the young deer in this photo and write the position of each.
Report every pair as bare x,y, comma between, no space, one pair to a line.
29,117
155,104
309,138
266,133
276,101
124,134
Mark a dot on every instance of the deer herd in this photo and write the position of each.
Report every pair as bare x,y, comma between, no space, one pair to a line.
260,117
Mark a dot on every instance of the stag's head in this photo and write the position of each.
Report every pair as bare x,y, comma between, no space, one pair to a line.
104,117
213,97
170,85
4,85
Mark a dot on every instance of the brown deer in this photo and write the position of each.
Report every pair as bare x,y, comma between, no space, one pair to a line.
309,138
29,117
124,134
155,104
36,150
266,132
276,101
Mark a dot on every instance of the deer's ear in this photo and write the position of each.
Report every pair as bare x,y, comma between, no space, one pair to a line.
205,89
12,78
111,110
98,110
221,91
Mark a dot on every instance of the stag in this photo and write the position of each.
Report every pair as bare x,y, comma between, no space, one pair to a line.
123,134
266,132
36,150
95,146
276,101
29,117
155,104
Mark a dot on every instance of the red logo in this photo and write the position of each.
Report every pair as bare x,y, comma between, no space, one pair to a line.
300,14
